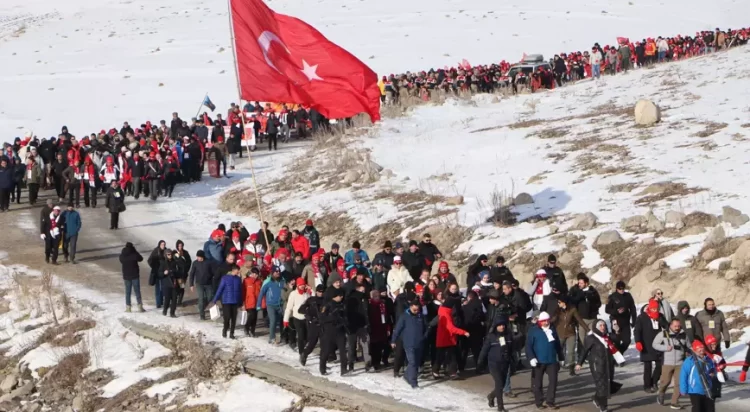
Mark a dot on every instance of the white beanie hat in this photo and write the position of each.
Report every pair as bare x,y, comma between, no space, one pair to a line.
543,316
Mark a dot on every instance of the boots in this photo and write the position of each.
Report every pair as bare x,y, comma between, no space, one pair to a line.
140,309
491,401
127,309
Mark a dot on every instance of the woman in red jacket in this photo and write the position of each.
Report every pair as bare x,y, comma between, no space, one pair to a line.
447,351
251,286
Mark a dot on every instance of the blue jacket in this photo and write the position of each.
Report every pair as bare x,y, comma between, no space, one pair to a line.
411,329
214,251
349,257
72,223
6,178
230,290
690,380
540,348
272,292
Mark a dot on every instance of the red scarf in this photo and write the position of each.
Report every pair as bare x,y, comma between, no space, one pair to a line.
610,345
110,167
53,221
29,166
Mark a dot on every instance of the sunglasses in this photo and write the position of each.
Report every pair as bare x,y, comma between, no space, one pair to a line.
396,263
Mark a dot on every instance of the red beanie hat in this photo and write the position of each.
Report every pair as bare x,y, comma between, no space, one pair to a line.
710,339
443,264
698,345
300,281
308,222
282,250
267,259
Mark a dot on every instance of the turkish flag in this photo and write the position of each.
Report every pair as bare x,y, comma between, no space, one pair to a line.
281,59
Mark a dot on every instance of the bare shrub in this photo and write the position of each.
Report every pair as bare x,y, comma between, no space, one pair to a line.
48,280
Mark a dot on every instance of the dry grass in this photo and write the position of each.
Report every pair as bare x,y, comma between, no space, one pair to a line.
622,188
522,124
67,330
669,190
67,373
710,129
626,259
538,177
550,133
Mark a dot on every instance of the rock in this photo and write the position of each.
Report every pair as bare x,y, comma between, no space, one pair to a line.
727,264
33,407
736,220
731,274
20,392
728,211
709,255
567,259
373,166
78,403
584,221
9,383
388,173
648,241
68,409
523,199
741,257
716,237
693,230
651,259
658,265
647,113
653,275
653,224
701,219
351,176
553,229
455,200
633,223
607,238
674,219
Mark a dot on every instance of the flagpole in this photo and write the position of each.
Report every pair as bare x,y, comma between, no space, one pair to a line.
242,118
201,106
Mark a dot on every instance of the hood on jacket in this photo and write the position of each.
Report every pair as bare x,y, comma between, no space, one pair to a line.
177,245
682,305
501,320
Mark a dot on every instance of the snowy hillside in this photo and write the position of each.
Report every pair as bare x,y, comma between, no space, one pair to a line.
92,65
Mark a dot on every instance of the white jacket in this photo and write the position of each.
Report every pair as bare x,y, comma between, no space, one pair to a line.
397,278
662,45
596,58
293,304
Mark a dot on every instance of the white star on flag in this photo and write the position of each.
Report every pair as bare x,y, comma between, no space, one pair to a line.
310,71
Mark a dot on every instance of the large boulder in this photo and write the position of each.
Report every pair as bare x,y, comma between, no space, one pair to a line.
584,221
607,238
741,257
633,223
568,259
523,199
9,383
653,224
733,216
674,220
701,219
716,237
454,200
351,176
647,113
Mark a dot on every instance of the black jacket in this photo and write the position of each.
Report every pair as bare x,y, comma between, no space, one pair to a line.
201,273
428,251
601,364
356,311
168,280
549,305
617,301
557,279
473,315
414,263
586,301
115,201
385,259
137,169
497,347
501,274
333,318
311,310
693,329
129,258
644,333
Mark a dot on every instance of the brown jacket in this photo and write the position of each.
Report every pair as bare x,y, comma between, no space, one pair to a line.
566,321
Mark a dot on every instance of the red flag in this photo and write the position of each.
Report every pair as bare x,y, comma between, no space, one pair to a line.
283,59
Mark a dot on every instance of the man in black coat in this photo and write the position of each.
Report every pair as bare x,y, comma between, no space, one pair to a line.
129,259
555,274
647,325
474,320
334,322
51,231
137,172
311,309
413,261
621,309
202,273
586,299
115,204
430,253
175,126
201,130
385,256
358,320
500,273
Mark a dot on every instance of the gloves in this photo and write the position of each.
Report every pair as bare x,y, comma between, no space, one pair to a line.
639,346
533,363
43,236
727,343
743,376
286,324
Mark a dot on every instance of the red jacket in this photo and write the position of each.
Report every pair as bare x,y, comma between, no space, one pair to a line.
446,330
301,245
250,291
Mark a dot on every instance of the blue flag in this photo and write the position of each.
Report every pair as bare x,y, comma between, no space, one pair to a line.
208,103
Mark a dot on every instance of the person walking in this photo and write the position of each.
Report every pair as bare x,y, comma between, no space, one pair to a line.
696,378
713,322
115,204
544,352
311,309
647,325
600,350
356,303
251,287
497,354
381,325
201,275
271,292
621,310
673,344
294,301
690,325
446,339
52,225
129,259
154,262
410,329
333,320
230,294
168,275
72,227
33,177
6,183
566,321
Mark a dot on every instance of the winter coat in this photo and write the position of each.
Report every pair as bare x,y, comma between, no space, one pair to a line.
385,259
694,375
666,338
428,251
624,301
6,178
137,168
379,282
557,279
446,329
35,177
70,175
72,223
309,275
645,333
202,273
153,170
357,316
311,310
566,322
601,364
301,245
380,320
312,236
397,278
586,301
713,324
115,201
414,263
473,316
251,291
410,328
333,318
691,326
230,290
540,348
349,257
666,309
501,274
294,301
497,347
129,258
549,305
214,251
271,292
168,280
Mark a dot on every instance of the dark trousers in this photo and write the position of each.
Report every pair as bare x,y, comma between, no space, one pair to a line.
16,192
551,370
114,220
272,139
624,324
89,195
301,130
51,245
413,359
252,320
230,318
33,192
446,358
700,403
4,199
313,333
472,344
651,374
205,294
399,356
170,301
333,341
136,187
158,294
153,188
430,349
301,327
378,353
69,247
74,193
59,186
499,372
